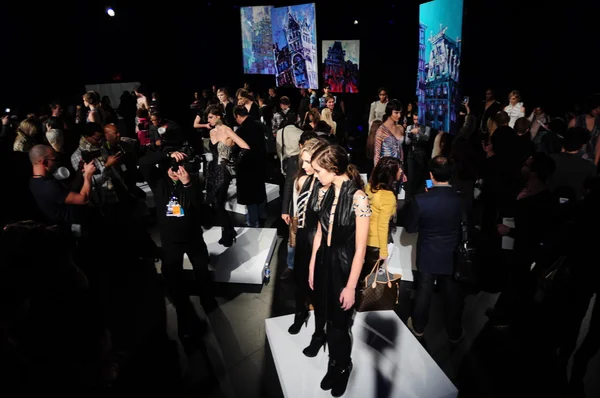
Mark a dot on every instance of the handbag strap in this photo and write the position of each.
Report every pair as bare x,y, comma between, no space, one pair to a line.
464,226
376,266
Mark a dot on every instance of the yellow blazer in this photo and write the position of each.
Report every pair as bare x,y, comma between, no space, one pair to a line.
383,206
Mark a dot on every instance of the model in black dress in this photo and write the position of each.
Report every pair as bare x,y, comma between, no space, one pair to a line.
341,241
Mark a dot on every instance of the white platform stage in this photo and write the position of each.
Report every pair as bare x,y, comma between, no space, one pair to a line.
231,205
245,260
402,257
388,361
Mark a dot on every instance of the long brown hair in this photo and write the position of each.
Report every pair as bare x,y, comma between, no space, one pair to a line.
385,174
335,159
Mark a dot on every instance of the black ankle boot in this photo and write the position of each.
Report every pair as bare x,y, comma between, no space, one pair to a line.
316,342
299,319
340,380
327,382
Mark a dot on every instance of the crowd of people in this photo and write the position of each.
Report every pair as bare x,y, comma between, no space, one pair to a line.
537,178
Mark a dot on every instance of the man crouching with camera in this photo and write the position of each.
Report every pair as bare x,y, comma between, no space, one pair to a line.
178,196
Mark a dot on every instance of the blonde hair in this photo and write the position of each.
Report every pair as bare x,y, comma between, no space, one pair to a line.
327,117
515,93
311,146
28,128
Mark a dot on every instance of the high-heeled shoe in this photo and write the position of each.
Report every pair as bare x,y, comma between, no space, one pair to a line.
316,342
228,237
299,319
340,380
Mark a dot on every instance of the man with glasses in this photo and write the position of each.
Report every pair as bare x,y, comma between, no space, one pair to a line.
58,203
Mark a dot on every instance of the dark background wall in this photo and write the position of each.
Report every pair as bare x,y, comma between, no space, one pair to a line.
51,50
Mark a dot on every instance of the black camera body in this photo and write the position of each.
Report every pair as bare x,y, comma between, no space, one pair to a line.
88,156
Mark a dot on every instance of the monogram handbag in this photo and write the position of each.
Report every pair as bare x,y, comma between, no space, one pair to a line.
293,231
380,291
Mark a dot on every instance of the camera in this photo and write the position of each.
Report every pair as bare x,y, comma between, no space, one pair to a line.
88,156
175,165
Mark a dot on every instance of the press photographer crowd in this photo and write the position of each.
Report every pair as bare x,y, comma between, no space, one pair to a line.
95,196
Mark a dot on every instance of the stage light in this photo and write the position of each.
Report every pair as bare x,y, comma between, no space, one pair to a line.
110,12
7,110
355,22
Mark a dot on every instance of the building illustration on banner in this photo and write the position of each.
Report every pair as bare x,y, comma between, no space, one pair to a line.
294,46
257,40
341,65
438,88
438,76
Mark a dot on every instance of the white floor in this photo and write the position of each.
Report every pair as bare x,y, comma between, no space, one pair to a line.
388,361
245,260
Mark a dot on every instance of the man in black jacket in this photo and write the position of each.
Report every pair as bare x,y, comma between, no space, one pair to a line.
250,177
436,215
178,198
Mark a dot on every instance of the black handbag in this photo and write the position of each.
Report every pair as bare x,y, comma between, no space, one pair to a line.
465,254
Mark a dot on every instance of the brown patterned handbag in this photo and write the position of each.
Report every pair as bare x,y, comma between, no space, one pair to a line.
293,231
381,289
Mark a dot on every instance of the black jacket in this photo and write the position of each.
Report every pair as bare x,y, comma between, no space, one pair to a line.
177,229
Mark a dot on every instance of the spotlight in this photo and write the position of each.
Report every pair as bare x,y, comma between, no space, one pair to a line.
110,12
356,22
7,110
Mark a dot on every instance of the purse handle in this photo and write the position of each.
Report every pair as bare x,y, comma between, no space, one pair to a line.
387,274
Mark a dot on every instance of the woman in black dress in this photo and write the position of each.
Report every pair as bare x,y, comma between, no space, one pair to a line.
341,239
220,169
306,209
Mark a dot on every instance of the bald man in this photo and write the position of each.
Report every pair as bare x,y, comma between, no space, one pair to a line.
56,201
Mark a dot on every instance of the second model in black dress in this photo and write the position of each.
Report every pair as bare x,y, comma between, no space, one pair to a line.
308,215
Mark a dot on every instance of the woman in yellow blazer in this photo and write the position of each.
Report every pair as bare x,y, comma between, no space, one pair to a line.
382,198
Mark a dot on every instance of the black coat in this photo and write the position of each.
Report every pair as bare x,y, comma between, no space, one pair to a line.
250,174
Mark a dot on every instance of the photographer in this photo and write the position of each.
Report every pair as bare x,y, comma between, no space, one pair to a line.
58,203
178,198
90,150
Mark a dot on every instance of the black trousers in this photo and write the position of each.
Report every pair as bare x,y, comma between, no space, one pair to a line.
453,301
173,273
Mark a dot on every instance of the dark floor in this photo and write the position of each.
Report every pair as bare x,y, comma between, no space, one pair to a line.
233,357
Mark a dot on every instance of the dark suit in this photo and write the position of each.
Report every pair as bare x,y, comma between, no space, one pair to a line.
436,215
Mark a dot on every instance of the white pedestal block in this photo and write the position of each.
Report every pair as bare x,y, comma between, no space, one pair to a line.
403,254
388,361
232,204
245,260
